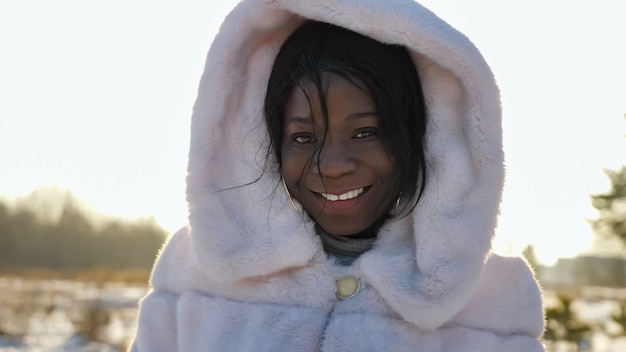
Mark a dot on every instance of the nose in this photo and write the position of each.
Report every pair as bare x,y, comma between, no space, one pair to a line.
335,160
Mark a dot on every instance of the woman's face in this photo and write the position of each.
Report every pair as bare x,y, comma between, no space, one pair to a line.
349,188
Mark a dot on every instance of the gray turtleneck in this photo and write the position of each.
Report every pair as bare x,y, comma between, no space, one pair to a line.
345,249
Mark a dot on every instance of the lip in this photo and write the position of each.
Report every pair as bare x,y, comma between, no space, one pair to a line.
340,205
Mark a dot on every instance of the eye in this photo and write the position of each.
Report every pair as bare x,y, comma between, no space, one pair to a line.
303,139
367,132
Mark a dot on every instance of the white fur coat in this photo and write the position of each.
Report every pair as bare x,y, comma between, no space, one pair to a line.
248,274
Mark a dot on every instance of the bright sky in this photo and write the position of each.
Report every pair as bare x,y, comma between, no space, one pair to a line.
96,97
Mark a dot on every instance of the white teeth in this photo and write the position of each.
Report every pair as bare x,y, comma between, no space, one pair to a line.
345,196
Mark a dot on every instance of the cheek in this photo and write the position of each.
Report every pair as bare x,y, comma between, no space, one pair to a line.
293,166
387,170
379,160
392,174
387,165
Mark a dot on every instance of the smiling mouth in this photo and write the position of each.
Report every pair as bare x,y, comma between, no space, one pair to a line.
344,196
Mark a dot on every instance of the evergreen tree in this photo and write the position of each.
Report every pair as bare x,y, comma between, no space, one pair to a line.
51,229
611,206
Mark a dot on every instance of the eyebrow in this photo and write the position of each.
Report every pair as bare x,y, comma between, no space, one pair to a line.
360,115
299,120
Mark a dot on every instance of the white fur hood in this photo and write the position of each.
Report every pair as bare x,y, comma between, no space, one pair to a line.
426,266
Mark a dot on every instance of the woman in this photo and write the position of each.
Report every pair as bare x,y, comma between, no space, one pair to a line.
343,184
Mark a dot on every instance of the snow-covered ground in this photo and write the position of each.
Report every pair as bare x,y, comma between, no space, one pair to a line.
597,308
63,315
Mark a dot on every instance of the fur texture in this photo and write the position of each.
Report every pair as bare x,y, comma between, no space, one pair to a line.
249,272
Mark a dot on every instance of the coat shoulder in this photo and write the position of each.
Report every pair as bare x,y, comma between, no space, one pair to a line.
507,300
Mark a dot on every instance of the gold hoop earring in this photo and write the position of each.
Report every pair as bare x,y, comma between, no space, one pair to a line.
395,208
293,204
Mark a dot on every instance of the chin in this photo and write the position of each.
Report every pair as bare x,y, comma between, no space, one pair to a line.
343,231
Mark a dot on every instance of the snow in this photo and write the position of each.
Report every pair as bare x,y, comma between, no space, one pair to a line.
63,315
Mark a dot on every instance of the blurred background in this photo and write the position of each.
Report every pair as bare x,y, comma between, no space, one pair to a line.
94,115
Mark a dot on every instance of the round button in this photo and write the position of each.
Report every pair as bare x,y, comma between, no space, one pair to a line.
347,287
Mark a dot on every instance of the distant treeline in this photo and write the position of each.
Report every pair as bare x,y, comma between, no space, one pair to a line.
74,240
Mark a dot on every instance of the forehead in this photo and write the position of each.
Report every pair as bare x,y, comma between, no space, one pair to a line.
341,95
